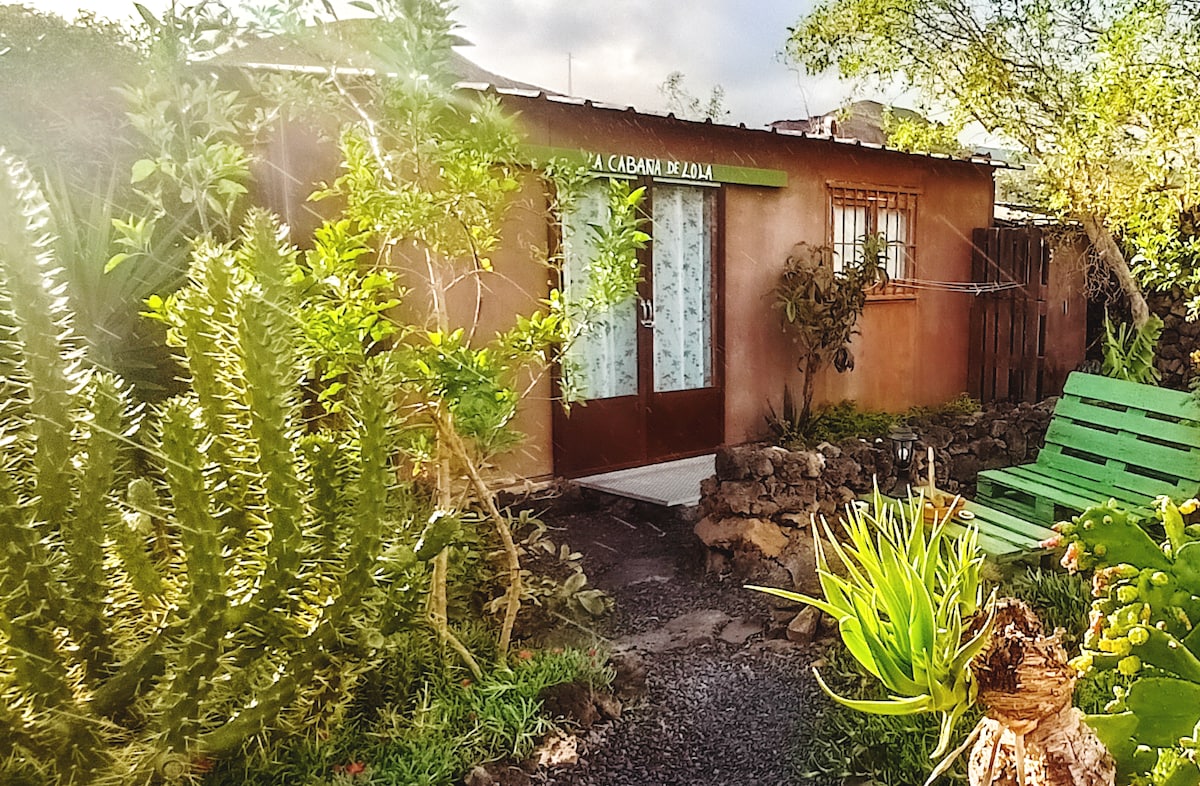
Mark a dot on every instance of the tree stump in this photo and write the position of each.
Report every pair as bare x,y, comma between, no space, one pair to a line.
1032,736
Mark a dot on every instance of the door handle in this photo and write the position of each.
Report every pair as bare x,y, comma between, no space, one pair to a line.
647,309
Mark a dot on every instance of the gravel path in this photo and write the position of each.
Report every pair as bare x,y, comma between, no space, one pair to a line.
715,711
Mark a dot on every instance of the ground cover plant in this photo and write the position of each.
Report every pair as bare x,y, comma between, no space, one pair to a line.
302,543
845,420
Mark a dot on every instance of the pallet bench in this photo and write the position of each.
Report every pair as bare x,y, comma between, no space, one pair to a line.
1108,439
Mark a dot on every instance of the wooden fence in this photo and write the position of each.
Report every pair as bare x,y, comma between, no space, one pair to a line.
1024,339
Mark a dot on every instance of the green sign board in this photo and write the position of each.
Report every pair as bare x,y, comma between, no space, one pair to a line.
627,165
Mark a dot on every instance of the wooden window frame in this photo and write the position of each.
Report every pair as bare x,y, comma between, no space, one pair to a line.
875,198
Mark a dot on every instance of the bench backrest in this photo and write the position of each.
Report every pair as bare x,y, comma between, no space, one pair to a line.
1141,439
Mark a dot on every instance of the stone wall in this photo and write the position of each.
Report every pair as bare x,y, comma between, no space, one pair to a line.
1179,339
757,508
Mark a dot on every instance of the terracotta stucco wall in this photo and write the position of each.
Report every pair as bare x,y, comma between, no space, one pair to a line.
912,350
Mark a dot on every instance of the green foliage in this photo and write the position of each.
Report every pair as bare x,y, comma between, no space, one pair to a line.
845,420
1146,597
211,603
859,747
1060,599
59,109
1129,351
553,576
903,606
1096,689
786,426
836,423
417,721
1169,259
918,135
820,306
614,272
192,178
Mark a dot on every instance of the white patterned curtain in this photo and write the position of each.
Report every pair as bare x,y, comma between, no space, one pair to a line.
682,288
603,362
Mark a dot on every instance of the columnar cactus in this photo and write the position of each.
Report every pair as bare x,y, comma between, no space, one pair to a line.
147,623
1143,622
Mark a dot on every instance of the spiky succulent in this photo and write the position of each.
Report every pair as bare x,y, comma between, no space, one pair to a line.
902,606
148,623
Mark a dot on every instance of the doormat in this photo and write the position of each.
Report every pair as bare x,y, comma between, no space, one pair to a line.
670,483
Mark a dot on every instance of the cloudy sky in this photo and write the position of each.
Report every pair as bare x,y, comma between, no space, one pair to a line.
620,51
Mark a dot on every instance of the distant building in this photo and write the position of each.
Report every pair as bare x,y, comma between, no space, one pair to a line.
861,120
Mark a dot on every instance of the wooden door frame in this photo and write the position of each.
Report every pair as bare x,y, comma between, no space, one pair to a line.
637,434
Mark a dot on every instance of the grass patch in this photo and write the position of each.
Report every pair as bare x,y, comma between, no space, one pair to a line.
424,730
1061,600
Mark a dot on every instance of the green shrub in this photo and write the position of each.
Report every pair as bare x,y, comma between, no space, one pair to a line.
241,586
845,420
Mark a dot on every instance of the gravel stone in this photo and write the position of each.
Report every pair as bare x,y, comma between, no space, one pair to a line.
714,712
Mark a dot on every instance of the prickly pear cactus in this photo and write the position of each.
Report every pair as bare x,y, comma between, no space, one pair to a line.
1145,611
150,623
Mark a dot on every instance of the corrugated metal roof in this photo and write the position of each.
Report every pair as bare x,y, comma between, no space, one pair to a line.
558,98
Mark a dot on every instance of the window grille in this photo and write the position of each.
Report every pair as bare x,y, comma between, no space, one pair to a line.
856,213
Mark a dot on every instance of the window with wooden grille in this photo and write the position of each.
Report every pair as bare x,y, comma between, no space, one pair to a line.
857,214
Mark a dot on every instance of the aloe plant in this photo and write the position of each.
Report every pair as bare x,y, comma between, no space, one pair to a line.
902,607
150,622
1129,351
909,605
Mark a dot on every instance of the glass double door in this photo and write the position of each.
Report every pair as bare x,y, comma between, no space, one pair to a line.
649,370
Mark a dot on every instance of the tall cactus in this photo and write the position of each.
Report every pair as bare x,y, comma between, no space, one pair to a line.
149,622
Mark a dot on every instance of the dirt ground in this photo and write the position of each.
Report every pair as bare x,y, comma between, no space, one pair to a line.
712,693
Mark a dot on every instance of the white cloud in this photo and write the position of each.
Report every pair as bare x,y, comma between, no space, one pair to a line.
621,50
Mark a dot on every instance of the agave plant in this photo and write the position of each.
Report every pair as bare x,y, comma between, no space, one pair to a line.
909,606
903,605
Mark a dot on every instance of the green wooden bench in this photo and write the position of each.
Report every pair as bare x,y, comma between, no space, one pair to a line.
1108,439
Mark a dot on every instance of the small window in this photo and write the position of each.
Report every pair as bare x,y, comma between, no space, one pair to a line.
887,215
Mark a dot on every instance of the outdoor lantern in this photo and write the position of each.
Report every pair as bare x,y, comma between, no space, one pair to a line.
904,441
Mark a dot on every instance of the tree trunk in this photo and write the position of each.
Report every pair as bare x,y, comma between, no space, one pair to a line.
809,366
1112,257
1032,736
